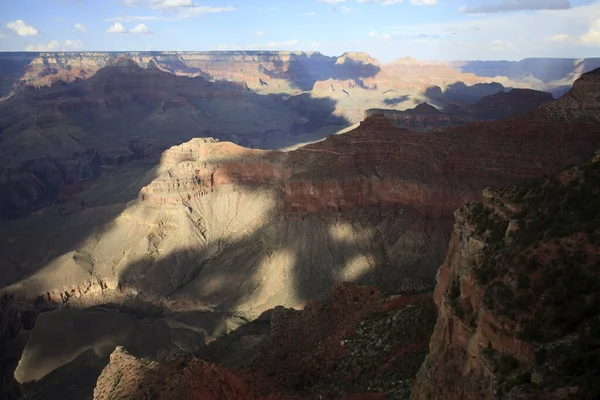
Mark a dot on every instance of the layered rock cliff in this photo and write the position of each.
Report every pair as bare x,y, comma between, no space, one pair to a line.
518,294
211,201
133,106
224,228
55,136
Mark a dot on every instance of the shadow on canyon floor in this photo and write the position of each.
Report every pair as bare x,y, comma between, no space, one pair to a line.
70,347
306,69
544,69
122,124
396,100
460,92
11,69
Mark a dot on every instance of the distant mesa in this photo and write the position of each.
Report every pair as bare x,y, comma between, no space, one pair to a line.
502,104
123,61
152,64
423,109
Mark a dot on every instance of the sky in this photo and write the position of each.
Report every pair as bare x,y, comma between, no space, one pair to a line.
386,29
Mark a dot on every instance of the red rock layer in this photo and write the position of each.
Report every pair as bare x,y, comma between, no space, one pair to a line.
380,164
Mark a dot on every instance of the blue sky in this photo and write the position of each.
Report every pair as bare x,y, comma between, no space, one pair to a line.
386,29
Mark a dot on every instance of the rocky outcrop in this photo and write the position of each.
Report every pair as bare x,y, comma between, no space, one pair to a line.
466,332
197,167
505,326
360,344
578,105
182,378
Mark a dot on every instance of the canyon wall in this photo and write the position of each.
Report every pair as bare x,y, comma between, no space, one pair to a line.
517,295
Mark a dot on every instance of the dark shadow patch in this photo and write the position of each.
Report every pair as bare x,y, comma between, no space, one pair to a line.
394,101
304,70
545,69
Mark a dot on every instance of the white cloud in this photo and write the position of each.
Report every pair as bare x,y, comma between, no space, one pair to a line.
311,13
332,1
54,45
592,36
272,45
515,5
543,33
21,28
165,4
117,27
561,38
392,2
73,44
140,28
345,9
501,44
80,27
589,38
260,33
375,35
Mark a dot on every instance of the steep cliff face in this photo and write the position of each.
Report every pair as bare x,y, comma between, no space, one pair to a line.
518,295
182,378
580,104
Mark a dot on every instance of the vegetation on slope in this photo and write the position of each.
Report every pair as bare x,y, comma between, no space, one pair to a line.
540,270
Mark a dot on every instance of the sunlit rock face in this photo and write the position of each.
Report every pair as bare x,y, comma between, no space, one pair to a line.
227,227
132,106
57,135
